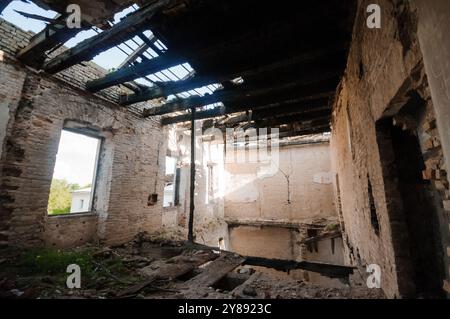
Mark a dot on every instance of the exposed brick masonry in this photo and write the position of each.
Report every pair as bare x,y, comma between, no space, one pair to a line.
39,106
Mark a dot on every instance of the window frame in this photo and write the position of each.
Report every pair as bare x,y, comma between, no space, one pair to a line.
92,133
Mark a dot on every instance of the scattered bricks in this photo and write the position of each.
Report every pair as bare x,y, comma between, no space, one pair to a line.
428,174
426,126
439,185
432,163
431,125
441,174
447,194
446,286
446,204
428,144
436,142
437,174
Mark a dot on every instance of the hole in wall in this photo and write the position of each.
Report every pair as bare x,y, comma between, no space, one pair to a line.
373,211
361,70
152,199
221,244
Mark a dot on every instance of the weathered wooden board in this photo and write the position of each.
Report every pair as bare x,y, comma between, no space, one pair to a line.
216,270
169,269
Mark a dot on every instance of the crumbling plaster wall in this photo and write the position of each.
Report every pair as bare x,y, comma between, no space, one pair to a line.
267,242
381,64
242,191
300,187
39,107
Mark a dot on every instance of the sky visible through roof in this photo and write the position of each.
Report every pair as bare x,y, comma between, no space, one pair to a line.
76,153
112,58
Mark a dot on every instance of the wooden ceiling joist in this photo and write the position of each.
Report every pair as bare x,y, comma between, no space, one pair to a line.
134,55
132,24
200,81
268,114
53,36
4,4
297,106
287,74
246,95
316,129
148,67
136,71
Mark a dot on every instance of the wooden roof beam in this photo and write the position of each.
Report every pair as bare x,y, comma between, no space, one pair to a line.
136,71
4,4
297,106
53,36
170,88
134,55
134,23
245,94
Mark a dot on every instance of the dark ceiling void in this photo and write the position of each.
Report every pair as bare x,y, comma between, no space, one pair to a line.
278,62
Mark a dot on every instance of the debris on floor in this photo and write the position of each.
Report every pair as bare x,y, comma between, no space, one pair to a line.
151,268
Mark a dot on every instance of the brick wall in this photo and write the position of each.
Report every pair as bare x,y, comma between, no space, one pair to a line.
376,69
434,23
38,107
70,230
13,39
383,65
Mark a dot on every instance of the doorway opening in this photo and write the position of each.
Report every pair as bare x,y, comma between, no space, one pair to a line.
403,160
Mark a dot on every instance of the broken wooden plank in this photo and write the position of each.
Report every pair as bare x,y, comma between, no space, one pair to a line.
134,55
233,222
323,236
136,22
54,35
169,270
241,291
328,270
216,270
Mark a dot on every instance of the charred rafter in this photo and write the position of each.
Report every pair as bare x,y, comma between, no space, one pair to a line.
245,95
296,106
166,61
134,23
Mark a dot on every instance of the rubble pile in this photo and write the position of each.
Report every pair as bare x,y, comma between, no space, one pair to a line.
150,267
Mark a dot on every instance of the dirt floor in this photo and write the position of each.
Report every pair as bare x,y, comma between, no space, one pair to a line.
152,268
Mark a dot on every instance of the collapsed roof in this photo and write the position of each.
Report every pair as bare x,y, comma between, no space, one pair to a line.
272,64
